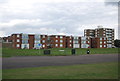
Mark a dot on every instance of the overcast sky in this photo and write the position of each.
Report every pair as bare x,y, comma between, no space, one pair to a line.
61,17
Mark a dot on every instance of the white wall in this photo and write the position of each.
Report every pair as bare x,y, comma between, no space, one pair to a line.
76,46
23,46
84,45
109,45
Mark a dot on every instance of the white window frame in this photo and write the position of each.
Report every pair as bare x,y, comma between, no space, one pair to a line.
61,37
43,36
17,45
104,42
88,41
100,42
56,36
18,35
100,46
61,45
43,45
56,40
43,41
61,41
56,45
104,38
70,41
18,40
100,38
104,45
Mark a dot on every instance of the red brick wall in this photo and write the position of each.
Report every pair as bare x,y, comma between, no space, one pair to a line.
31,41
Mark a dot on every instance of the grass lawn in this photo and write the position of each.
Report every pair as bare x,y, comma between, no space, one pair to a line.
8,52
84,71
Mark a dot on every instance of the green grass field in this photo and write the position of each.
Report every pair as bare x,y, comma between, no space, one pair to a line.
84,71
8,52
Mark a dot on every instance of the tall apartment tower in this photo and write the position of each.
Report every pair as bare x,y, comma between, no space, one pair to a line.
89,33
106,32
101,32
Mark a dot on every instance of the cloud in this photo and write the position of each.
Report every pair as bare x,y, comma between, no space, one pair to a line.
69,17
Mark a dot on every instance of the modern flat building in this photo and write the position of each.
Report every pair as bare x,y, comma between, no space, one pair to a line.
99,42
101,32
29,41
106,32
58,41
85,42
89,32
93,38
69,42
76,42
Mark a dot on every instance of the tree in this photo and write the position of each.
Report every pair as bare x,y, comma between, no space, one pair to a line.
117,43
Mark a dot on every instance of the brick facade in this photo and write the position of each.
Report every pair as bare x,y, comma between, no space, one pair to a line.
93,38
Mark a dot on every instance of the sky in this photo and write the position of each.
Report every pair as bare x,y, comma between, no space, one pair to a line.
58,17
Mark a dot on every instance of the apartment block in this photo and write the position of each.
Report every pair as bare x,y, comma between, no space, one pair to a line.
108,33
99,42
93,38
58,41
29,41
69,42
76,42
89,32
101,32
85,42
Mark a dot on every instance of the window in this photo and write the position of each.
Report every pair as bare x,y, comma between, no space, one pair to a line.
56,36
100,46
61,40
43,41
56,40
56,45
61,45
88,41
75,37
104,45
104,38
25,36
43,45
100,42
70,45
43,36
61,36
83,42
100,38
75,41
18,40
104,42
37,41
70,41
37,37
17,45
24,41
18,35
